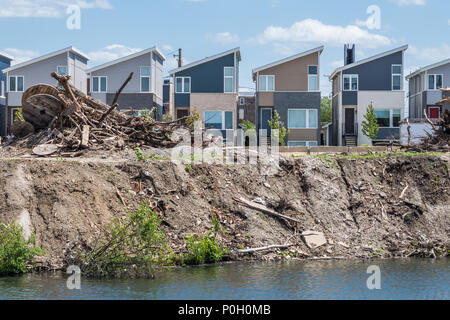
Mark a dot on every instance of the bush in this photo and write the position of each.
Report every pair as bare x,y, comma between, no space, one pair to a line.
16,253
138,242
203,249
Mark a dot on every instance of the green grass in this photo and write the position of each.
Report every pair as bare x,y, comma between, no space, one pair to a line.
203,248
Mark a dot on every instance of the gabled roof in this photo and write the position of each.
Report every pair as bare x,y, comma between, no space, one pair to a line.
4,55
207,59
276,63
431,66
126,58
47,56
378,56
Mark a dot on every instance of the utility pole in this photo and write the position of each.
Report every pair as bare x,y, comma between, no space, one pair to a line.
180,58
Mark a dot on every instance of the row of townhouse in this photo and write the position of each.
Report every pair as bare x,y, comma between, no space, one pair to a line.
210,86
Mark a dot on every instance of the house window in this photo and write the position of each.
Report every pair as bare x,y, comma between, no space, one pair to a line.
302,119
302,144
241,101
397,71
221,120
61,70
99,84
16,83
145,79
388,118
313,78
435,81
266,83
350,82
228,79
183,85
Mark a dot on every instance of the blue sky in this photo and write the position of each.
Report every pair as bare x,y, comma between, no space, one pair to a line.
266,30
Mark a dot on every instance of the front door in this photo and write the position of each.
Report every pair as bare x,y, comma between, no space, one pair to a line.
266,115
434,112
349,121
181,113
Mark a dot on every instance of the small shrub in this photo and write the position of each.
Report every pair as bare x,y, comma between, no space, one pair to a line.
203,248
140,154
188,168
16,253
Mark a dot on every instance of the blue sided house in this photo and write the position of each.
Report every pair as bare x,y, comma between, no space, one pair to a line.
5,62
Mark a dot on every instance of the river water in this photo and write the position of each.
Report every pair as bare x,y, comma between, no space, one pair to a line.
400,279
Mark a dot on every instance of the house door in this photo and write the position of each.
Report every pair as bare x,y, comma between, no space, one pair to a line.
349,121
434,112
181,113
266,115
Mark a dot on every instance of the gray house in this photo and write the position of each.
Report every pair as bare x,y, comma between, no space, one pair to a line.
68,61
143,92
292,87
5,62
377,80
424,90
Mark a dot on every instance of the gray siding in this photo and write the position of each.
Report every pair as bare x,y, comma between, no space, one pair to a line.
284,101
349,98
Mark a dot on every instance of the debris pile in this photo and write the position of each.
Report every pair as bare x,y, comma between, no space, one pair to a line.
441,132
65,119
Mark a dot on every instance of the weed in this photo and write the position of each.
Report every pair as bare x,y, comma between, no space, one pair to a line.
16,253
203,248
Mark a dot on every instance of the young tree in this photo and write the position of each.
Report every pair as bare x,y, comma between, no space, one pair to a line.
276,124
325,111
370,127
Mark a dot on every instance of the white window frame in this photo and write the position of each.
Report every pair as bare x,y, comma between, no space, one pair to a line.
182,85
350,76
241,101
307,143
57,71
314,75
434,81
396,75
15,90
228,77
149,79
266,76
307,118
99,84
223,118
2,89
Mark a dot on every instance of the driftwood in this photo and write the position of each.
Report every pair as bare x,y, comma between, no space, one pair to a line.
272,247
264,209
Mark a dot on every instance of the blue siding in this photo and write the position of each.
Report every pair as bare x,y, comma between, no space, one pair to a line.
182,100
350,98
208,77
376,74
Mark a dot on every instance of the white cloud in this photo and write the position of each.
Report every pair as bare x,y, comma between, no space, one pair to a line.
337,63
20,55
314,31
167,48
402,3
223,38
45,8
110,53
431,55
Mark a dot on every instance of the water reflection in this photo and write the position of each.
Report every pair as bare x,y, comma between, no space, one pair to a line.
401,279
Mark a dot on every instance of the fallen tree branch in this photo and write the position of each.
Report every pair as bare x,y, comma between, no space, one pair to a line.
403,192
272,247
264,209
114,105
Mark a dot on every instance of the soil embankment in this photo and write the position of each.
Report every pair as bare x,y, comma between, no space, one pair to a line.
366,207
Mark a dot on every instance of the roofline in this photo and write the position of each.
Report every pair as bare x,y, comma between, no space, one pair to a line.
126,58
299,55
375,57
11,58
45,57
207,59
431,66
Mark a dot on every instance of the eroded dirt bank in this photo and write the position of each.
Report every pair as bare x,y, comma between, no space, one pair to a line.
355,203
